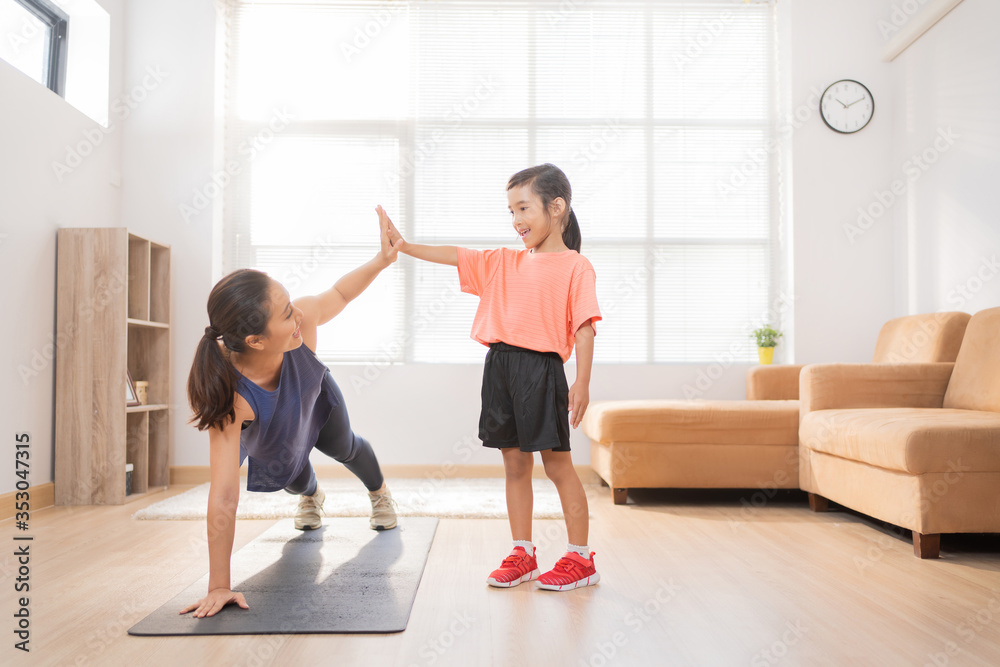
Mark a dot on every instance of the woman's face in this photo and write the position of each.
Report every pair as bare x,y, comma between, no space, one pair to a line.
282,333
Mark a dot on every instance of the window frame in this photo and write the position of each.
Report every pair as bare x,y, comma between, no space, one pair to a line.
57,21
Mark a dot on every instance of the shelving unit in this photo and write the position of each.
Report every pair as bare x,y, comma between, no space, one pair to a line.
112,314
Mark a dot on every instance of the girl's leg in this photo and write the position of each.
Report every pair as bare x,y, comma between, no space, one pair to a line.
338,441
517,470
559,468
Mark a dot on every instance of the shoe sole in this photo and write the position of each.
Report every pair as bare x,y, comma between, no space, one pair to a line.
580,583
380,528
308,526
531,576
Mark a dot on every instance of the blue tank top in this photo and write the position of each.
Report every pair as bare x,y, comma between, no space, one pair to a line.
287,420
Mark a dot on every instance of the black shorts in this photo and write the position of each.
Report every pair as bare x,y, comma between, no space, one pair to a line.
525,400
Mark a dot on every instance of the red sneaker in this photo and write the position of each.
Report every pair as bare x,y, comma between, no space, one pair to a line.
572,571
516,567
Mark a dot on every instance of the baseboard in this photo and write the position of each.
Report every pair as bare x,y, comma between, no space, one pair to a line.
200,474
39,497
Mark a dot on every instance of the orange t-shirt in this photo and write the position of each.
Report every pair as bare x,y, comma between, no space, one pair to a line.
531,300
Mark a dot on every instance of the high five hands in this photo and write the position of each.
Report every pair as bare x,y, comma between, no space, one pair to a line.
390,235
389,250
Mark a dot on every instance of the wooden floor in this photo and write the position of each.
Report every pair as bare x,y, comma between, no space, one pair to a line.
688,578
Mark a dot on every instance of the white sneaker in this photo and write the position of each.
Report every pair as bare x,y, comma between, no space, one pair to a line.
383,509
307,517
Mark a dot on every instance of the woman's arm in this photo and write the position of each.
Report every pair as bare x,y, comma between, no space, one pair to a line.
439,254
320,309
579,393
223,497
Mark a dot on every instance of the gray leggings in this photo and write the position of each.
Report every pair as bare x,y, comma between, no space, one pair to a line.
338,441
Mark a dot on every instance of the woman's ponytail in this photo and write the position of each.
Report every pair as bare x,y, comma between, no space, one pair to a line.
211,386
238,307
571,233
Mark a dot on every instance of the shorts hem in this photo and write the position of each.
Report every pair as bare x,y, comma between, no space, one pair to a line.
557,447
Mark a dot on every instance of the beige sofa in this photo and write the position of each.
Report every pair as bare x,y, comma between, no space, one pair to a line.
736,444
916,445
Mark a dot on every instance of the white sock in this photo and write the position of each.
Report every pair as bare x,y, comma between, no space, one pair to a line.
584,551
526,545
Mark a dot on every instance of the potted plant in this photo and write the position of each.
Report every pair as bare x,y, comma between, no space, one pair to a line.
767,338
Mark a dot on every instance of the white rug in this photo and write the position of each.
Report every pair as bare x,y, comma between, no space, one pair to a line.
452,498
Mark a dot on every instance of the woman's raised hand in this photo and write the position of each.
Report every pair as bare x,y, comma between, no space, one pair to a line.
213,603
389,232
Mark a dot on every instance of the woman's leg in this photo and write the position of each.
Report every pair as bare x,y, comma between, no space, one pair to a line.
304,484
559,468
517,470
338,441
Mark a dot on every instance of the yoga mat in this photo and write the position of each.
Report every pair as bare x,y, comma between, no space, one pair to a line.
341,578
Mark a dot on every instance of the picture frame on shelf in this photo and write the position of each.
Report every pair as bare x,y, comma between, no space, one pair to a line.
131,398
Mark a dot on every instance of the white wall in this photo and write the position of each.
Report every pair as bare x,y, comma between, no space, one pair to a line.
843,290
948,225
37,129
169,152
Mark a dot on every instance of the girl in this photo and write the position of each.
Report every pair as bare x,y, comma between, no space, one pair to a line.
534,304
258,389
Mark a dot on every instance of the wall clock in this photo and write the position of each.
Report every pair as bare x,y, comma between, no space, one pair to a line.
846,106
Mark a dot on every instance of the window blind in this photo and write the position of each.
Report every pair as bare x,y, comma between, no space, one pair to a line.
659,112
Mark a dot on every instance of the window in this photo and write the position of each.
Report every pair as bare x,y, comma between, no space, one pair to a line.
660,113
35,43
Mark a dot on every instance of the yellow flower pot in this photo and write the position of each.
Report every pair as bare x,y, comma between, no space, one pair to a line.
765,354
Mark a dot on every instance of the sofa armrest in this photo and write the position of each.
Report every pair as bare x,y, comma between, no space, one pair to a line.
837,386
773,383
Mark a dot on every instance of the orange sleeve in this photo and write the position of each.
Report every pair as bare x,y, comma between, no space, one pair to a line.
475,268
583,299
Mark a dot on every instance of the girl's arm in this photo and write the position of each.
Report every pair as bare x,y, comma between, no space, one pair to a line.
439,254
320,309
579,393
223,497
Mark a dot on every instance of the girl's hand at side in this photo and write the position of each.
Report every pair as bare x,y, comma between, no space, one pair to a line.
579,399
213,603
389,231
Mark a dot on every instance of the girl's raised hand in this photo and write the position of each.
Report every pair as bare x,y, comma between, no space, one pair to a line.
390,249
389,229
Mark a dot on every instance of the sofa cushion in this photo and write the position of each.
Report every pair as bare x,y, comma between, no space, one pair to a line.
694,422
912,440
917,339
975,382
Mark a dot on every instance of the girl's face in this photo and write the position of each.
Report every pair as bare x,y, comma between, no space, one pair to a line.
537,228
282,333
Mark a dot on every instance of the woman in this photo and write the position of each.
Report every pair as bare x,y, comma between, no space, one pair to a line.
258,389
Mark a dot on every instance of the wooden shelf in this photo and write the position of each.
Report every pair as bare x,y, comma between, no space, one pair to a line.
147,323
96,435
147,408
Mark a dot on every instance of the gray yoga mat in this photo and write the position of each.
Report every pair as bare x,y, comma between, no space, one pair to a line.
342,578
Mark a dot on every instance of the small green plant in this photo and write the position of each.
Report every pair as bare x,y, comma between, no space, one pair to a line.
766,336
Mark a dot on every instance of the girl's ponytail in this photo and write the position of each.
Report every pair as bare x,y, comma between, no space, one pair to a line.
238,307
571,234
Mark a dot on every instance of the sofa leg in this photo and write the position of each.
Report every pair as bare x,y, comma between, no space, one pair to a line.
818,503
926,546
602,482
620,496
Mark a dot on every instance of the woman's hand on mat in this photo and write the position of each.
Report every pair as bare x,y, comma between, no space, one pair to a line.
579,399
212,604
390,235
